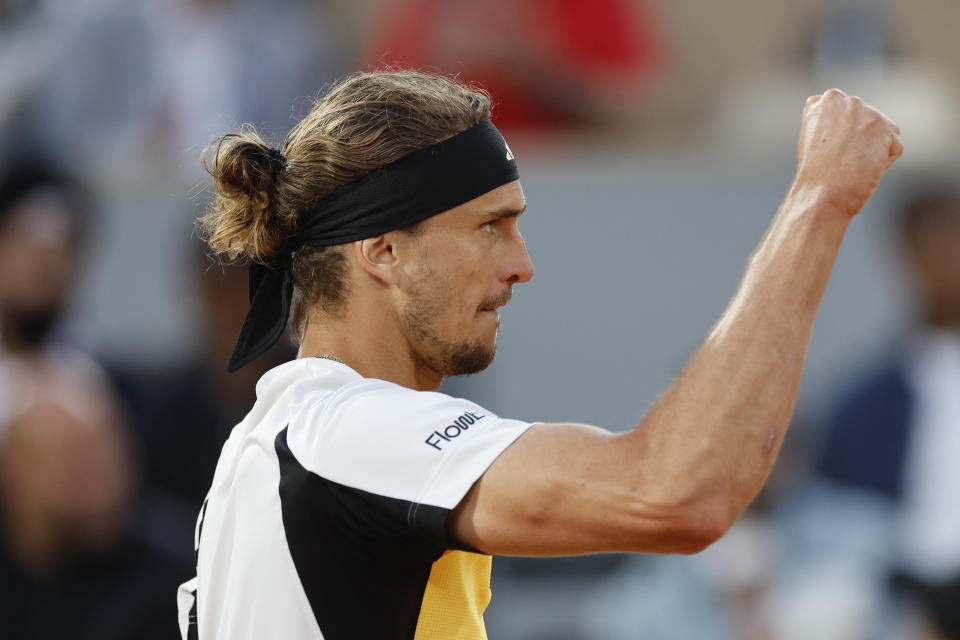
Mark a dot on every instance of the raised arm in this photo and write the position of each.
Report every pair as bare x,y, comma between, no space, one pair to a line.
678,480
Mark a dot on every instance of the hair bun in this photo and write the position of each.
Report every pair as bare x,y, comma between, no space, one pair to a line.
247,217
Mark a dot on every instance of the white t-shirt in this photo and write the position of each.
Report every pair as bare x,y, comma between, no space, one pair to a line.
929,518
328,509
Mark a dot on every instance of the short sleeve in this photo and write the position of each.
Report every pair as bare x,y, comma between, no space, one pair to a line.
405,458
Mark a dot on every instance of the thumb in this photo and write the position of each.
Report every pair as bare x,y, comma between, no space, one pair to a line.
896,150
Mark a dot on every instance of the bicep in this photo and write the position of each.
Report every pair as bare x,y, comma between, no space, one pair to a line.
564,489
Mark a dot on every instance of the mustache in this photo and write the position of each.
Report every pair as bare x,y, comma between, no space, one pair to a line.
498,300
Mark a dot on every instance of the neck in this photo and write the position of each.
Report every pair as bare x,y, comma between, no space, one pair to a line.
370,342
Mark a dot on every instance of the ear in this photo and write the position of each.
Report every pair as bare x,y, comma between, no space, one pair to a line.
378,258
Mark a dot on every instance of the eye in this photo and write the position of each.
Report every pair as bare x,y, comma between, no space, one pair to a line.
488,226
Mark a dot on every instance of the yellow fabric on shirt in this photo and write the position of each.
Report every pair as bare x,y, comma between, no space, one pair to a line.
457,594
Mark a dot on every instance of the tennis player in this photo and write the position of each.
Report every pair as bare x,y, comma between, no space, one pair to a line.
355,501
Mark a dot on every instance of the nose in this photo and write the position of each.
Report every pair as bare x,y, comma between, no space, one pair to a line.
521,267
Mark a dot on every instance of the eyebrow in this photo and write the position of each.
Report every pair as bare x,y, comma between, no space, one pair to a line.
507,212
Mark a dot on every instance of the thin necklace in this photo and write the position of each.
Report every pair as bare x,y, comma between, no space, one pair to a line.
327,356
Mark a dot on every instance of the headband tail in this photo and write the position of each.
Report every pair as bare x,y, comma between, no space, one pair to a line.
270,295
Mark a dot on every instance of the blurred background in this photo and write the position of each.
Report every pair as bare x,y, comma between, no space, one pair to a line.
655,141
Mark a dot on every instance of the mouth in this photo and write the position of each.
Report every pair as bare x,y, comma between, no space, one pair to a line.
493,304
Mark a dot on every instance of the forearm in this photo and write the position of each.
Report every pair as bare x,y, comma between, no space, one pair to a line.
711,439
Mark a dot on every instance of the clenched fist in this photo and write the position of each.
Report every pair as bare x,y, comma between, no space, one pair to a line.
845,147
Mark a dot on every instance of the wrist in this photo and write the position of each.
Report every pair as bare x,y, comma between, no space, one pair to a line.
820,202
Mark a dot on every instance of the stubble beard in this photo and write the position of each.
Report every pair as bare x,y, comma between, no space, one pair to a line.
448,358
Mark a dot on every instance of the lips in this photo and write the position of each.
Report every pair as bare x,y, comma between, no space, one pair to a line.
494,303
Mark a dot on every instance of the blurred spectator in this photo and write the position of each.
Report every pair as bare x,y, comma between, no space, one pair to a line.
196,402
220,62
547,63
69,565
69,568
895,435
130,91
43,220
156,81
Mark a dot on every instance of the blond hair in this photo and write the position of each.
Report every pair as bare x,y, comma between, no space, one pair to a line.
364,122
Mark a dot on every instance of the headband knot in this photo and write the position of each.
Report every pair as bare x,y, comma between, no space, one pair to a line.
414,188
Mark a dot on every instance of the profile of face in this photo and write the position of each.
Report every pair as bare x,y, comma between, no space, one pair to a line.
458,268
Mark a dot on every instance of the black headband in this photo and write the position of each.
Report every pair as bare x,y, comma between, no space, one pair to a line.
412,189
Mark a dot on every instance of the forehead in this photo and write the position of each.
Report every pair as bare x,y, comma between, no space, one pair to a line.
505,200
39,218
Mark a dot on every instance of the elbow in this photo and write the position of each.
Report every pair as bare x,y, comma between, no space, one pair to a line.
701,527
684,529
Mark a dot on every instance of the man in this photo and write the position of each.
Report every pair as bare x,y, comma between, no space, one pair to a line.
70,565
895,433
356,502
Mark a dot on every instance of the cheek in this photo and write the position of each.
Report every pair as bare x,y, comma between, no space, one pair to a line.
477,266
453,279
453,303
462,275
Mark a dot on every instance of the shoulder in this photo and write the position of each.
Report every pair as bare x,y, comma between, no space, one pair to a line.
375,415
378,436
383,406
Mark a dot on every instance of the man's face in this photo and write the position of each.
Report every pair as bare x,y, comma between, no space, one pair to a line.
38,256
934,257
461,267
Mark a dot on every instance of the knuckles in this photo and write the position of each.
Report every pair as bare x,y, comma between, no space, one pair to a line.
835,106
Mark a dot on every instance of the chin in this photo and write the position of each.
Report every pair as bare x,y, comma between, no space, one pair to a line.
450,355
467,358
